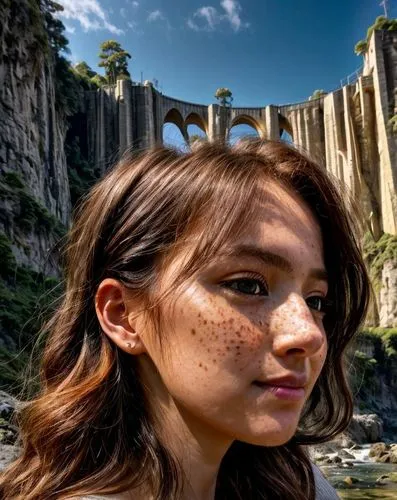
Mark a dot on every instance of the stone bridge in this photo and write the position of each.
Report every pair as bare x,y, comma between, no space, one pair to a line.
346,130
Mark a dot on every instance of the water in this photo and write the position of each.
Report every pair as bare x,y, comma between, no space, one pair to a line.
367,472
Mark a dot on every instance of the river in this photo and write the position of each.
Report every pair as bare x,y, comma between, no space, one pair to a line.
367,472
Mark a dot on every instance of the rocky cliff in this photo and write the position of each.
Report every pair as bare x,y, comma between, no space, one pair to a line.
35,199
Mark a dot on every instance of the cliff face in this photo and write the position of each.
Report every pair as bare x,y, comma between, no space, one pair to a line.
34,183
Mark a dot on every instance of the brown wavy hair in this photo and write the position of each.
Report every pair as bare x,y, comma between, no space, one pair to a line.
90,430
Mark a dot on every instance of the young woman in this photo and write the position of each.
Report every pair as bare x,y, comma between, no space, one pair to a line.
210,297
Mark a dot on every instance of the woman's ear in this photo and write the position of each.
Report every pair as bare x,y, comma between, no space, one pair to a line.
114,317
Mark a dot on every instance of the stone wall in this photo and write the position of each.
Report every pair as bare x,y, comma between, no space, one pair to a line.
346,130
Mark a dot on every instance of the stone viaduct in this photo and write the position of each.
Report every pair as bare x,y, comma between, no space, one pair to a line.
346,130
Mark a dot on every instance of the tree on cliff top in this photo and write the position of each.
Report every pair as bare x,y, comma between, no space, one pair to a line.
224,96
317,94
381,23
114,60
54,26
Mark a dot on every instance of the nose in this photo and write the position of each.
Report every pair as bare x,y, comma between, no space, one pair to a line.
294,329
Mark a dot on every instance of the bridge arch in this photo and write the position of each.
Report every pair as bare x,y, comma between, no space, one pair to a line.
285,126
244,119
196,119
174,132
175,117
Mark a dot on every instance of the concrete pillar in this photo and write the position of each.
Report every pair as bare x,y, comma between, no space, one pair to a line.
352,168
308,143
150,136
101,141
272,123
123,96
383,59
316,135
294,125
121,126
218,122
329,125
370,172
301,128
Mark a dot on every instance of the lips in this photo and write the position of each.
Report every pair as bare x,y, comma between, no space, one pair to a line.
295,381
290,387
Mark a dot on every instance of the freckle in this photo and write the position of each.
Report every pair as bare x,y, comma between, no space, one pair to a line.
205,368
238,347
238,353
227,348
241,341
200,364
232,341
208,350
214,361
205,322
193,331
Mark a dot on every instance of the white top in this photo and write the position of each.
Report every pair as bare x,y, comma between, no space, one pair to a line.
324,491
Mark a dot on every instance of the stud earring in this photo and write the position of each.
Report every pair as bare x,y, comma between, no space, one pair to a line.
131,345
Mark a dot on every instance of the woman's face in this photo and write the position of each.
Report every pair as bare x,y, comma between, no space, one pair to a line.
243,342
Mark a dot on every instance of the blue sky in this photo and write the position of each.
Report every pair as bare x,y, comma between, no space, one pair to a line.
265,51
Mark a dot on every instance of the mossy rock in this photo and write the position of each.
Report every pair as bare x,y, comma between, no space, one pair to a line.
351,480
393,477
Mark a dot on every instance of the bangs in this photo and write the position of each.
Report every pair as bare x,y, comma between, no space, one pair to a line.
220,215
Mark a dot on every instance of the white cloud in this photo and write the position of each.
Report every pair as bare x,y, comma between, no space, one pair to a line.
233,9
135,4
206,18
90,14
123,12
156,15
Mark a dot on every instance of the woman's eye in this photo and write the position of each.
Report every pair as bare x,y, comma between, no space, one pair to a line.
247,286
318,303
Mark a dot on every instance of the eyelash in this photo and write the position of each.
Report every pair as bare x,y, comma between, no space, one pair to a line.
253,278
325,304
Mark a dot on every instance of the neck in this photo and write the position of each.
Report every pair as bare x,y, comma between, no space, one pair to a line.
198,449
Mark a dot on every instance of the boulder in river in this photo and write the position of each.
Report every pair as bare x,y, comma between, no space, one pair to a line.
366,428
378,449
351,480
346,455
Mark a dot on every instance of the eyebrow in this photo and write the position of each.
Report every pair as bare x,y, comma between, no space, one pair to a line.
271,259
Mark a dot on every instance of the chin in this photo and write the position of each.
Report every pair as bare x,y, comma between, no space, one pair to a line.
274,433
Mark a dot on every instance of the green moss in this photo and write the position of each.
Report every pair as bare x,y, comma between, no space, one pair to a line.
81,174
13,179
376,253
27,299
386,336
7,258
392,123
32,214
381,23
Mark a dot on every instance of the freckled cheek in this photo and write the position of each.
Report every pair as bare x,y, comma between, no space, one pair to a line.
222,337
